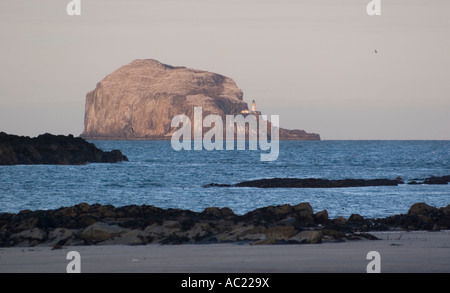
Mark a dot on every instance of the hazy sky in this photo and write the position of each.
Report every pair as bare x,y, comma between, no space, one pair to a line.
312,62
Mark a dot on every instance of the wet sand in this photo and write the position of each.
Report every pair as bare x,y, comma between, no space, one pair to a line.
400,252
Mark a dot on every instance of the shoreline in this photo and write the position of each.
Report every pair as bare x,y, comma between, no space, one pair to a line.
96,224
400,252
273,239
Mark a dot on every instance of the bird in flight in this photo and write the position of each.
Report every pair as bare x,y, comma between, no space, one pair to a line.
376,51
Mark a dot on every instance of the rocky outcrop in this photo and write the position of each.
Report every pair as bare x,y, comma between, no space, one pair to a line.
296,134
52,149
421,216
437,180
139,100
310,183
96,224
326,183
433,180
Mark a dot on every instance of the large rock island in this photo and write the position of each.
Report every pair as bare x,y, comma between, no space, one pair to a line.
139,100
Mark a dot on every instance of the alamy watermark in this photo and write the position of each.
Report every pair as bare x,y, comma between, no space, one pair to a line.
374,266
74,266
251,128
74,8
374,8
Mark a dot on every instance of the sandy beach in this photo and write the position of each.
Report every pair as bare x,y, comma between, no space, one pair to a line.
400,252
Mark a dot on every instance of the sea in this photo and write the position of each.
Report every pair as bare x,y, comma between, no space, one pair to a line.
160,176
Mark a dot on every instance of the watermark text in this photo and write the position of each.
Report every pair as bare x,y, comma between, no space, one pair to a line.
251,128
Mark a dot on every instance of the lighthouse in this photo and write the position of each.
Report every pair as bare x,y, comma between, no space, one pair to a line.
253,111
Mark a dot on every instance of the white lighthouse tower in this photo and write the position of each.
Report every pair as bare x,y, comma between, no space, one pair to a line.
252,111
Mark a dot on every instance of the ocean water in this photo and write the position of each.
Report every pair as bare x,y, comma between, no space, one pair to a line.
160,176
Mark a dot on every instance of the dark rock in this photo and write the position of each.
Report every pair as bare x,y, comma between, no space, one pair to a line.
355,218
339,221
187,221
281,232
420,216
321,217
28,237
52,150
59,236
24,220
326,183
314,183
216,185
437,180
242,232
132,237
445,210
335,234
308,237
215,213
413,182
155,233
200,232
303,214
421,208
101,231
136,225
286,222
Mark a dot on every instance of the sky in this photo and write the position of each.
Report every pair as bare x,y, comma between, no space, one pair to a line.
312,62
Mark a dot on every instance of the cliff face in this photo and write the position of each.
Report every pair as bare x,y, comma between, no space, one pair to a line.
139,100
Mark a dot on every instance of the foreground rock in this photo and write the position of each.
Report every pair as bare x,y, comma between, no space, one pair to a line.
421,217
52,149
139,100
96,224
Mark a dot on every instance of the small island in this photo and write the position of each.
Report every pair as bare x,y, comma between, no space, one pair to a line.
48,149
